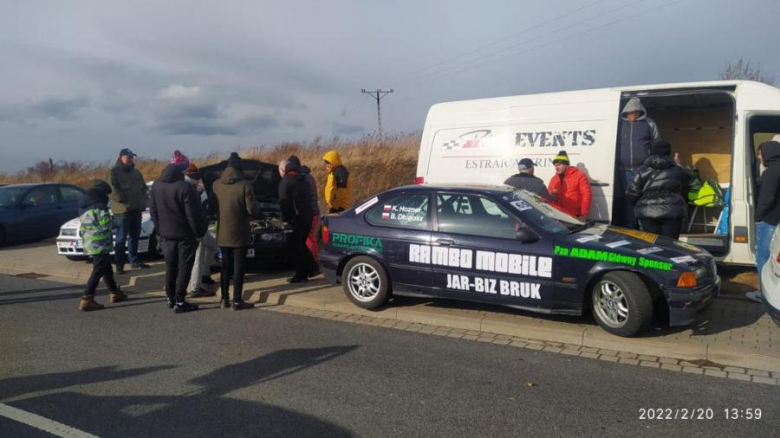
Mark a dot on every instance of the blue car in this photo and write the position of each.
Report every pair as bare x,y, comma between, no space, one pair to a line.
498,245
36,211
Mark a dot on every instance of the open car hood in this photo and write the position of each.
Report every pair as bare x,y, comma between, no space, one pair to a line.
263,176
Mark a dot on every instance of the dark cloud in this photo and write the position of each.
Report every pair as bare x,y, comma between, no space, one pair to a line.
347,129
297,124
195,127
62,109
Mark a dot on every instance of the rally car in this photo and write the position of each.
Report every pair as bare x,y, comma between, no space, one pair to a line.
495,244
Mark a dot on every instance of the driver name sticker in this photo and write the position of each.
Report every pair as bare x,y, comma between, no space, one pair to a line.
521,205
366,204
618,243
652,249
589,238
520,289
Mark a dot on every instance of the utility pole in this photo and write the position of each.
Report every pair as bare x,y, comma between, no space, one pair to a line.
378,94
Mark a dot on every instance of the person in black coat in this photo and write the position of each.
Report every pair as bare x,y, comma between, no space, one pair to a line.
295,202
179,221
525,179
657,192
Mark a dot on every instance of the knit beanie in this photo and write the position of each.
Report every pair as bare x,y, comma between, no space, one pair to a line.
180,160
561,158
235,161
660,147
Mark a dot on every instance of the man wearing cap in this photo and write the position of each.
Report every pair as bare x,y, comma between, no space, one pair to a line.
525,179
128,200
570,188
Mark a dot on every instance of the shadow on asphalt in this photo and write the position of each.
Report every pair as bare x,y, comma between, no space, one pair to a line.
208,411
101,297
34,291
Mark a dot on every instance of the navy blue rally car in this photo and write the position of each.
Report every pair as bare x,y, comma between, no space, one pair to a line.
494,244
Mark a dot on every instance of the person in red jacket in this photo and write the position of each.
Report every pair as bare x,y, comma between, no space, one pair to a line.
569,188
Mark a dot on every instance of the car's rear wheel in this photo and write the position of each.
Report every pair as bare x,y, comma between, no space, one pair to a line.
365,282
622,304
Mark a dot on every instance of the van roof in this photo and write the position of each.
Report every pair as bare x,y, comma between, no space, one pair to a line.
476,188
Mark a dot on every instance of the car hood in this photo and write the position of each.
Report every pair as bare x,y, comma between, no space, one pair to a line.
76,222
264,177
603,242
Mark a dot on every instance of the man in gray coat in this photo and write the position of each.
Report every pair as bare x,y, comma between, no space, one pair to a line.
525,179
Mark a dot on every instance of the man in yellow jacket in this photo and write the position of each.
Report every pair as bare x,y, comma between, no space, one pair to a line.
338,191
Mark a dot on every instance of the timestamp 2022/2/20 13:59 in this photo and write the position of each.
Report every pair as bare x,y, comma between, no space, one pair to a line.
700,413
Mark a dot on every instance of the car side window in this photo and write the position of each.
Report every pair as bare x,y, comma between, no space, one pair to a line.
70,194
42,196
404,211
475,216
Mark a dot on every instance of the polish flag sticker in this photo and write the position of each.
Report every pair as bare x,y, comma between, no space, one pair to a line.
387,208
385,215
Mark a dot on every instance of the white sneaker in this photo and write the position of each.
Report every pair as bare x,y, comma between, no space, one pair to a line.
755,296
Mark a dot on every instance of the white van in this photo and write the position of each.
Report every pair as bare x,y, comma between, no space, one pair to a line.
714,126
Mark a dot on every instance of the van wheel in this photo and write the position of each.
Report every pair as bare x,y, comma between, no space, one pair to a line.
622,304
365,282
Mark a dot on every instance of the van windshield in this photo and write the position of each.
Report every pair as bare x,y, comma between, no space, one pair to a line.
540,213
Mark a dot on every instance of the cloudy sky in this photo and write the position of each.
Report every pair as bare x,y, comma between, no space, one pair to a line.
82,79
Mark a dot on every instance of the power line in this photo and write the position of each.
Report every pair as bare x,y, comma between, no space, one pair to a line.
456,71
496,42
488,55
378,94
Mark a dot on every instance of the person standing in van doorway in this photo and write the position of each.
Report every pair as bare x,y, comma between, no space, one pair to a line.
570,188
234,204
657,192
525,179
768,207
338,190
637,132
128,200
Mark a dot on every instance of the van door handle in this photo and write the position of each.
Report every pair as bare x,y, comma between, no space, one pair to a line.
445,242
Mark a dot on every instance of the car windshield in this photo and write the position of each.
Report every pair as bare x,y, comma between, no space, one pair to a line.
9,196
540,213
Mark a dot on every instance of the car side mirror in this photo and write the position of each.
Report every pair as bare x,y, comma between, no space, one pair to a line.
525,235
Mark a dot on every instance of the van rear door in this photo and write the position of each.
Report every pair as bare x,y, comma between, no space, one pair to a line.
481,141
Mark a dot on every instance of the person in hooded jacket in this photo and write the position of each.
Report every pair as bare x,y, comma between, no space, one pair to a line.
179,220
338,190
96,231
525,179
768,206
128,200
233,203
295,203
657,192
637,132
311,241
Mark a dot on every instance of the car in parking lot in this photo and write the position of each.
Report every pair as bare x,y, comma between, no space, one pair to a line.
498,245
36,211
770,279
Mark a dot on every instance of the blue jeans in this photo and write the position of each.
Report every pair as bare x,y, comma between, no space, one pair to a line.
764,232
128,230
629,218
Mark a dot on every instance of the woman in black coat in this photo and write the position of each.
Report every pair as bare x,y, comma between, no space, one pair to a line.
658,192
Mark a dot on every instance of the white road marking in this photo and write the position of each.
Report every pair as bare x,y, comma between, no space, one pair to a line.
42,423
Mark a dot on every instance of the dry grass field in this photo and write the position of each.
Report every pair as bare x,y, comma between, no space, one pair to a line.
373,167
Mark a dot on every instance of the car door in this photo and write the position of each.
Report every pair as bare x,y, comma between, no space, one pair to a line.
69,203
403,225
478,257
40,211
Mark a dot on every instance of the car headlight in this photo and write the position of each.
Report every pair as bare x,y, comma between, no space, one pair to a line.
271,237
70,232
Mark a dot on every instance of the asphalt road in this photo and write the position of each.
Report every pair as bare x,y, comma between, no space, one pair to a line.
137,369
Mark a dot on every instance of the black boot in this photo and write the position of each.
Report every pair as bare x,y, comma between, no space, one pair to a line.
240,305
185,307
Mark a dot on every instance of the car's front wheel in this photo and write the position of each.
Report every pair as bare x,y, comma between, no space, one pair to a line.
622,304
365,282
